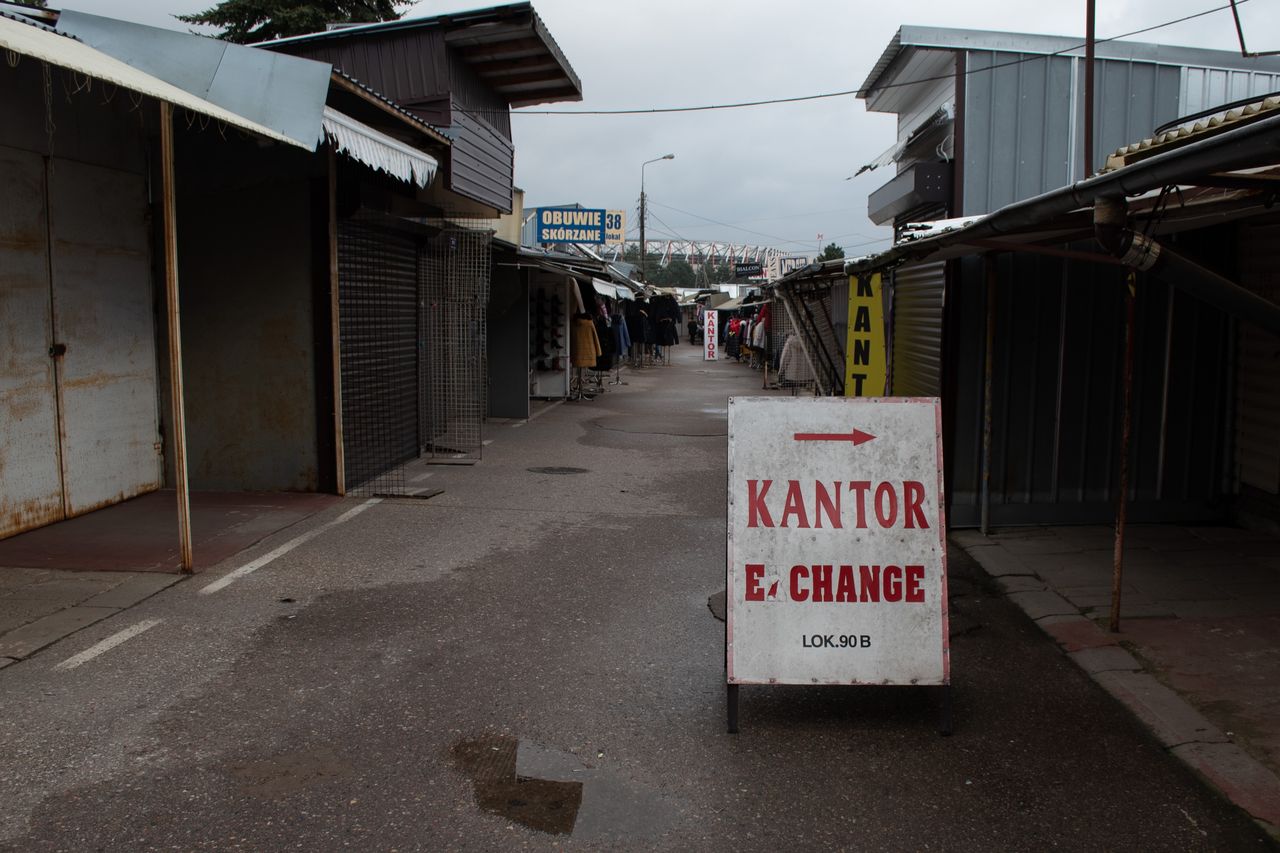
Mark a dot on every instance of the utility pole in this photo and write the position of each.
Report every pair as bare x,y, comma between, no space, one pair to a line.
1089,42
644,212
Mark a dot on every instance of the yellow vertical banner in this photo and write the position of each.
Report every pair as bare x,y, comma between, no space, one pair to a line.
865,357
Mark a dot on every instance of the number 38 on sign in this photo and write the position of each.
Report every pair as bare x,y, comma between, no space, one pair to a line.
836,547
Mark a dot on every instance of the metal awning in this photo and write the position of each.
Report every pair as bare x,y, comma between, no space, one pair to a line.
377,150
65,52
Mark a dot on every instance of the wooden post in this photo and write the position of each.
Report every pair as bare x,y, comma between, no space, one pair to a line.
177,407
335,335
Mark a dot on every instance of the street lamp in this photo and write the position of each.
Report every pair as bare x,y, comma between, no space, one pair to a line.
643,277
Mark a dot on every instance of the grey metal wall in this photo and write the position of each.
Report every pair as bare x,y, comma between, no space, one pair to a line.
1021,120
1056,397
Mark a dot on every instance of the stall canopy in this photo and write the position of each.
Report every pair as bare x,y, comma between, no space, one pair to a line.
39,42
377,150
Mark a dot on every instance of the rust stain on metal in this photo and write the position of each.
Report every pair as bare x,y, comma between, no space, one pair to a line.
28,515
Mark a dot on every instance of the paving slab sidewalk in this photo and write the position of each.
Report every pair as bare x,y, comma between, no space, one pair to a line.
38,607
1197,658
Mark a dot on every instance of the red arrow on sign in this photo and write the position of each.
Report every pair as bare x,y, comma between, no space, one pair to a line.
857,436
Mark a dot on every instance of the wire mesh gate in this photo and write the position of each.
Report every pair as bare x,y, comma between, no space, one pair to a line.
454,277
412,335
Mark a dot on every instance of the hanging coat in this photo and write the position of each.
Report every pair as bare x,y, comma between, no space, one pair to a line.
586,343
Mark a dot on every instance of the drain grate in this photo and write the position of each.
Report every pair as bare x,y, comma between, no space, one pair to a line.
558,469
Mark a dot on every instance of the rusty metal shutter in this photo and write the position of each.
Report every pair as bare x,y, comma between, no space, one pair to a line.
378,328
1258,373
917,330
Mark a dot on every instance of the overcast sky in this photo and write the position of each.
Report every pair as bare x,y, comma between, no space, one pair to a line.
772,175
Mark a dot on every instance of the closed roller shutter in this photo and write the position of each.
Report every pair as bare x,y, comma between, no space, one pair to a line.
917,330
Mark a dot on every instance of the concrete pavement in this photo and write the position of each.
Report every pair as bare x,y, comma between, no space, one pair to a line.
1197,657
528,661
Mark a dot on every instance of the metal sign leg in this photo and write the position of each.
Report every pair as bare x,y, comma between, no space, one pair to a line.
732,697
945,721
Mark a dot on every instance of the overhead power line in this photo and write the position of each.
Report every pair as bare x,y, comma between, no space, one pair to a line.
847,92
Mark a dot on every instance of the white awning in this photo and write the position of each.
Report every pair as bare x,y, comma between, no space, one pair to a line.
65,52
604,288
378,151
625,293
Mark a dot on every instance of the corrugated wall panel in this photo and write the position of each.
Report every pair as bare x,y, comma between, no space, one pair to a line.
1057,394
1020,137
482,162
917,330
1205,88
1258,373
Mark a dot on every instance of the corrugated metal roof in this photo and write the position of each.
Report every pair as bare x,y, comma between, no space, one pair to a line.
64,51
1200,129
950,38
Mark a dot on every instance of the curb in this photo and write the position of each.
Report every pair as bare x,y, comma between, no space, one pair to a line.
1184,731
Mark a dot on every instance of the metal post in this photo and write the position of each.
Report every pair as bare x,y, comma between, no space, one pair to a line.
339,450
1088,86
1125,432
988,369
732,700
177,407
643,274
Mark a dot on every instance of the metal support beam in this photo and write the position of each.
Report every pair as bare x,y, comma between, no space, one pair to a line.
989,266
1126,433
339,449
176,401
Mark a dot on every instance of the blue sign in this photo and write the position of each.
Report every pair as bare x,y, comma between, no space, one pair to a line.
570,225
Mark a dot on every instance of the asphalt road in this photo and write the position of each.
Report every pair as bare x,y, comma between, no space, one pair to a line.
528,661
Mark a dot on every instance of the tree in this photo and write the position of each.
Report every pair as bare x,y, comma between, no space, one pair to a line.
832,252
246,21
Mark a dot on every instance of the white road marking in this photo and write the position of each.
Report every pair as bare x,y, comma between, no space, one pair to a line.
252,566
108,644
517,426
421,477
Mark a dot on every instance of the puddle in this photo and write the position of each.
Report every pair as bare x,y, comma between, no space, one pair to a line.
557,792
558,469
716,604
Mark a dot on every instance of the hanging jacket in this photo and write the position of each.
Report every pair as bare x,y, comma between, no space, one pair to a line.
586,343
621,335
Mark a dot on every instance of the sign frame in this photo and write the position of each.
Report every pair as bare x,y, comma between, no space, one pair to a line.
758,657
711,335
